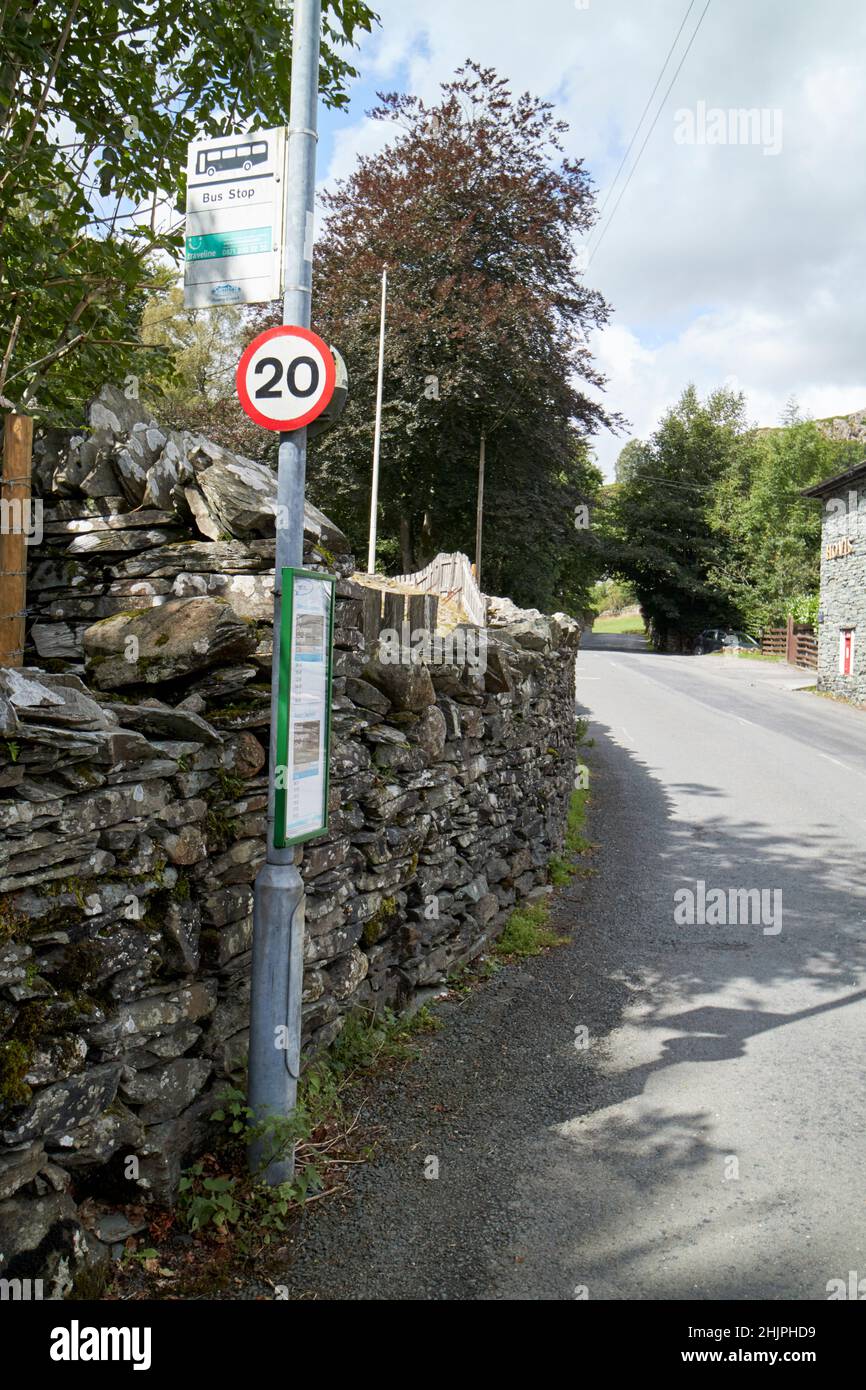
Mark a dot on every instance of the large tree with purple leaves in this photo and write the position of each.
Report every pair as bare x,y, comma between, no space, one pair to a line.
477,214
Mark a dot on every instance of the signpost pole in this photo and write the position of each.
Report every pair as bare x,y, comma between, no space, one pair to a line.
278,911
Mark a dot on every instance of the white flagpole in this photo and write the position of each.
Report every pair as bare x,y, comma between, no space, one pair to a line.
377,435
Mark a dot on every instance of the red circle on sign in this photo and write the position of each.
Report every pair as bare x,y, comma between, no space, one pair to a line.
286,330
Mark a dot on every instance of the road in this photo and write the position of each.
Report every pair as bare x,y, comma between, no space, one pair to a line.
659,1110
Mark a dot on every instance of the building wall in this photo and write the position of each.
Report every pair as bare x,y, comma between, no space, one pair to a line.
843,593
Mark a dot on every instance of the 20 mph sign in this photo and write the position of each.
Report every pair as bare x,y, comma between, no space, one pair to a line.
285,378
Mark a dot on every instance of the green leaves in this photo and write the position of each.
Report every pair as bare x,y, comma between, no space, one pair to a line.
98,103
708,522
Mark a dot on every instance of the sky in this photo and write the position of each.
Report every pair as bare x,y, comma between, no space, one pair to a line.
734,254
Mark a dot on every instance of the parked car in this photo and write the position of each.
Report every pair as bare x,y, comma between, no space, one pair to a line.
710,640
741,641
714,639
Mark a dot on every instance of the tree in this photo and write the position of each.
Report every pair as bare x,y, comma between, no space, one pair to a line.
664,539
475,212
98,101
197,390
772,534
629,458
709,523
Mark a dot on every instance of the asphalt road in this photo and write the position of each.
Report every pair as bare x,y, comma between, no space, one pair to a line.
701,1134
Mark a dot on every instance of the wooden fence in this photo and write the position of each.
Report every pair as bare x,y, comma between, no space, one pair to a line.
450,576
389,609
796,643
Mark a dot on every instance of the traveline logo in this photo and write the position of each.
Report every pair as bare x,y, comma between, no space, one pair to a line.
76,1343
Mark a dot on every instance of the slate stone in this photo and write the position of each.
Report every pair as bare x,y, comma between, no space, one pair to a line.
64,1106
179,637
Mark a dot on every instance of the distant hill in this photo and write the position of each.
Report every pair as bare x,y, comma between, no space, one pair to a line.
840,427
851,426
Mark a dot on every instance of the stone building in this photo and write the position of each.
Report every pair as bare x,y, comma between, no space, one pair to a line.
842,607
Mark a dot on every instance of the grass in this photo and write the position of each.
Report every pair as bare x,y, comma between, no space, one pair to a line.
633,623
575,840
747,655
527,933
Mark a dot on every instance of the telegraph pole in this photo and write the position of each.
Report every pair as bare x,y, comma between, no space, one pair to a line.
377,432
479,514
278,910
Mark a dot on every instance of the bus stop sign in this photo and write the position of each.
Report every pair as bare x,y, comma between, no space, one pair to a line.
286,378
234,219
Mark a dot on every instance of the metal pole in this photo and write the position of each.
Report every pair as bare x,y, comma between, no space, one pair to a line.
479,515
278,907
377,433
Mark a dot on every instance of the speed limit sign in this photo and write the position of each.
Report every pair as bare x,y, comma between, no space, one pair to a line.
286,377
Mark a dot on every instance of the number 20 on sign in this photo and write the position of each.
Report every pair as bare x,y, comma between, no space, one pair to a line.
285,378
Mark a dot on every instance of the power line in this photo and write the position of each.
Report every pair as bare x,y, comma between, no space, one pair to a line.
643,115
648,134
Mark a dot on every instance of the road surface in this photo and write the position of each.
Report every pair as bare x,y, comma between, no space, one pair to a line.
664,1109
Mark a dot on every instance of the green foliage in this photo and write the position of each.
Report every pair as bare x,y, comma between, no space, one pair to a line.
561,870
217,1194
575,841
526,932
99,101
203,347
772,535
662,527
15,1059
803,608
611,596
708,522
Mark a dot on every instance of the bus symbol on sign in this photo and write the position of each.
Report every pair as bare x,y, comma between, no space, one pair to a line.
225,157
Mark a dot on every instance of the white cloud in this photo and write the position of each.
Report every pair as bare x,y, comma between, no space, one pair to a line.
720,261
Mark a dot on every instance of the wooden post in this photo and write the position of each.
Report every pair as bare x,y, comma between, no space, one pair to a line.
394,606
371,621
14,524
790,643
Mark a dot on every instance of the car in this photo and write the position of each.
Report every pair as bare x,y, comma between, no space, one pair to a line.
715,639
740,641
710,640
723,638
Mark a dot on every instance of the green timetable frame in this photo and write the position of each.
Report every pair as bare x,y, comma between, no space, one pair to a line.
297,595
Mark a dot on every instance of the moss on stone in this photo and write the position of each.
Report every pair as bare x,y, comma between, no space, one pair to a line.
15,1059
13,923
379,922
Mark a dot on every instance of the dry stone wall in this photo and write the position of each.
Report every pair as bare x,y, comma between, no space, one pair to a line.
133,795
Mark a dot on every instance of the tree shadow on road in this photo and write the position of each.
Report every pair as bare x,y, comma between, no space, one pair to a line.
648,982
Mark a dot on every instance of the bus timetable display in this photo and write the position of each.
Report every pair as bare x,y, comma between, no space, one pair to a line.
234,219
304,707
